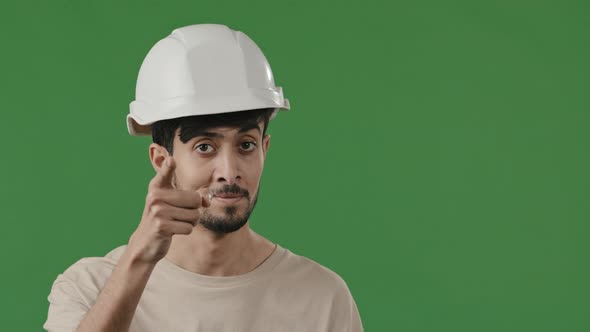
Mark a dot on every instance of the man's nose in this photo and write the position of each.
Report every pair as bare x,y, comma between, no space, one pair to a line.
227,168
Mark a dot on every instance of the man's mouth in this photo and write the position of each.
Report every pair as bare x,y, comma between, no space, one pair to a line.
227,198
221,195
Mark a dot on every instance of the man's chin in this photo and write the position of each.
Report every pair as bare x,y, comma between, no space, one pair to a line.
223,218
228,211
223,224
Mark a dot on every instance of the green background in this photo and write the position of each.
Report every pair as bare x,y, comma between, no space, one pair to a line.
435,155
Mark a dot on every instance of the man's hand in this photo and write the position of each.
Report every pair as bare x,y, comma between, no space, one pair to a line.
167,211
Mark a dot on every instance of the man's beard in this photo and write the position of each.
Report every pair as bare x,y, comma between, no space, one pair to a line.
230,221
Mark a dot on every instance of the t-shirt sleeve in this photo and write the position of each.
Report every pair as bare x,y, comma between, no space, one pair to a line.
67,307
356,324
346,315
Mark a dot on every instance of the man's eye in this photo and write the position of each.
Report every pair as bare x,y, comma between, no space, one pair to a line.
205,148
248,146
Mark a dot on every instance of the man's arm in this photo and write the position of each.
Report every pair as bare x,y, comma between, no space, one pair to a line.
115,306
167,212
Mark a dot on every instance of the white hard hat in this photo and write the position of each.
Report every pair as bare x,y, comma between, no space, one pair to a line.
202,69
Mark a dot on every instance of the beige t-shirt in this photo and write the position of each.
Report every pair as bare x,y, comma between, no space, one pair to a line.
287,292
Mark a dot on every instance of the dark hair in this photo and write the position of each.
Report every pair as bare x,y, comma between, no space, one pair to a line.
190,126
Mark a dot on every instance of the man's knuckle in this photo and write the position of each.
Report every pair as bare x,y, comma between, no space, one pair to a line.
160,225
149,199
154,197
187,230
156,210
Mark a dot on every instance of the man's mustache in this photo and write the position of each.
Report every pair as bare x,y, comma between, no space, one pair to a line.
232,189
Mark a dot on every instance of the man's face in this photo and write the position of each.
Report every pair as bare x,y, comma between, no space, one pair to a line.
228,162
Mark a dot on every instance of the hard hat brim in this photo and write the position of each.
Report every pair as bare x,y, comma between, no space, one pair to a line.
191,106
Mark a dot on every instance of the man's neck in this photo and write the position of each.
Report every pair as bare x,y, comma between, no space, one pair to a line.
231,254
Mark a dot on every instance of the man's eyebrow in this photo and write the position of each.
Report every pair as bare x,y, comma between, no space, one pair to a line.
210,134
249,127
206,134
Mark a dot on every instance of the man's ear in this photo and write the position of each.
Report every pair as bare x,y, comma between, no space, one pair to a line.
265,144
158,155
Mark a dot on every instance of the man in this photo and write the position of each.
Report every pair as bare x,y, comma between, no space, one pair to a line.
206,94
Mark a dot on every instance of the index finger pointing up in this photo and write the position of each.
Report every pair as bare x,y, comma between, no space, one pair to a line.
164,177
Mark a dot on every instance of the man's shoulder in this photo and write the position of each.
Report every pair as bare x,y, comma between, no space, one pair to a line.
324,292
92,272
307,271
